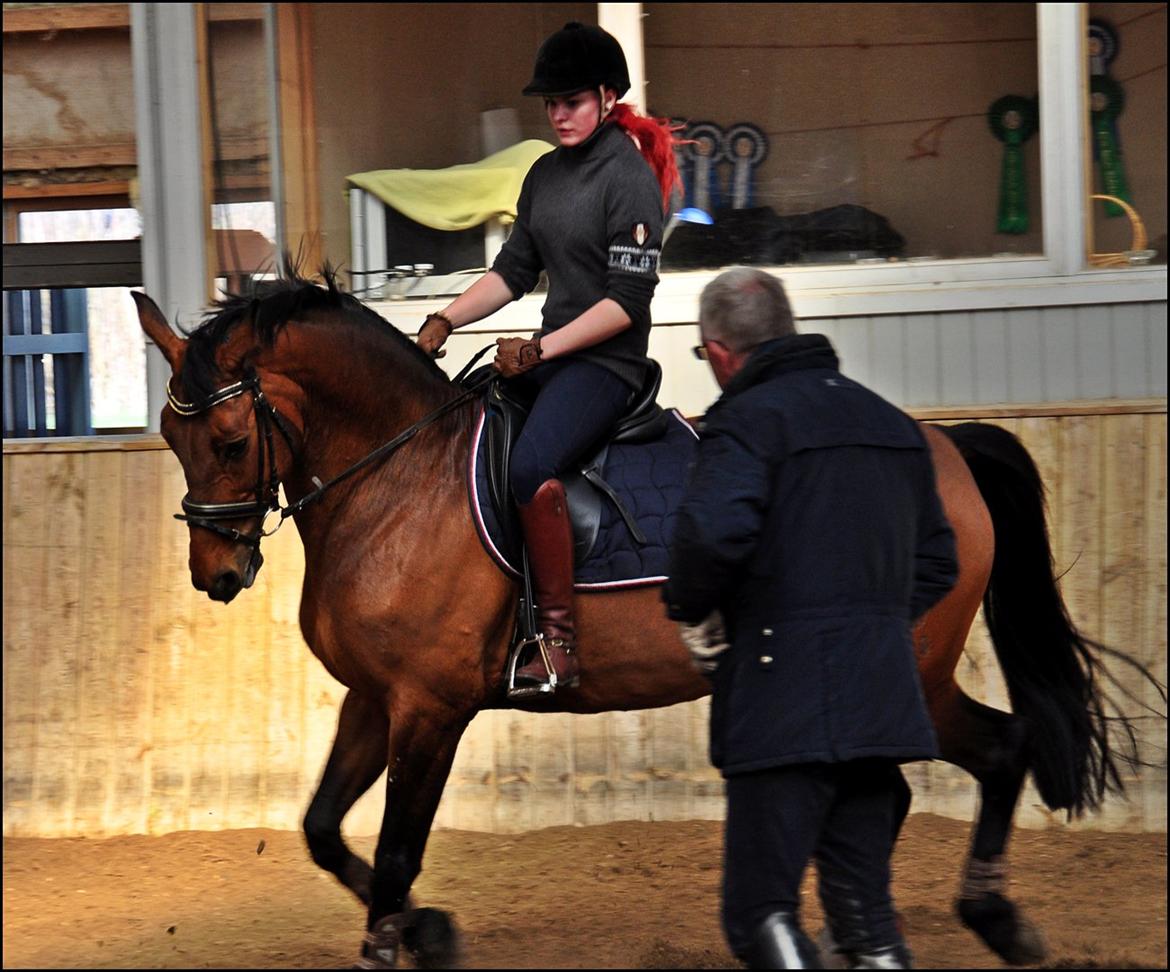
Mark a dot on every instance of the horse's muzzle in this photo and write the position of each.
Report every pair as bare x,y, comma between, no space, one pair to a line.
229,583
225,586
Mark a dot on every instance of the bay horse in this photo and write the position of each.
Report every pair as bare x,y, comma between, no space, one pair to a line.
299,382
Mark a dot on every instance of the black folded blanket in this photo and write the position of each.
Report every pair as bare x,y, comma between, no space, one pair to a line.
761,236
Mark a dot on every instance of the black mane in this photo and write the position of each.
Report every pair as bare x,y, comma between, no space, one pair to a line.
269,305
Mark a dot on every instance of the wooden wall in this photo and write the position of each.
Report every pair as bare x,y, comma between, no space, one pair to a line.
132,704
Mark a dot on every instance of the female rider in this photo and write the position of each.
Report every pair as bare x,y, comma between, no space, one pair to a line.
590,214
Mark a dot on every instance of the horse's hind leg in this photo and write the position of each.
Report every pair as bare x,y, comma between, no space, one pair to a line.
355,762
992,746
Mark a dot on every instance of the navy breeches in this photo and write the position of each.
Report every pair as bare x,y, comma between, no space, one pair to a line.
845,815
577,405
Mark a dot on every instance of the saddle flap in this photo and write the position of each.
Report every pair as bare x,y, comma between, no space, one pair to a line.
507,405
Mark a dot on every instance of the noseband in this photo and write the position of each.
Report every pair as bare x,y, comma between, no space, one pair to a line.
267,491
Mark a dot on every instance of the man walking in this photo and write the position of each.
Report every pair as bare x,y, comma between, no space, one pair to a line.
813,530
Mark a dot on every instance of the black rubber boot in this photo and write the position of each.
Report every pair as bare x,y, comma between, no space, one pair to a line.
893,957
780,943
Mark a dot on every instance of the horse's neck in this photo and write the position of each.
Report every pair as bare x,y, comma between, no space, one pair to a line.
350,408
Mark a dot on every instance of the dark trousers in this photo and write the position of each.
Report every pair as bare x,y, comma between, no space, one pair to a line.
843,815
577,404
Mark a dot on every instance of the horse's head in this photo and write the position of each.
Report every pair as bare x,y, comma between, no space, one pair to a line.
224,440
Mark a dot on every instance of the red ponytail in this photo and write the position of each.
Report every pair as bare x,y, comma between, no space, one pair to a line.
656,141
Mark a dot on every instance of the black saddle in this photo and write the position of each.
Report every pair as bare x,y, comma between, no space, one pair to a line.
506,408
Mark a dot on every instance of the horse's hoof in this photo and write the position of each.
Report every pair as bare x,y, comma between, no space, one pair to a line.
1003,929
431,938
380,947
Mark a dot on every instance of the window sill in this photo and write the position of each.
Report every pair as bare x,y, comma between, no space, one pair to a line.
857,291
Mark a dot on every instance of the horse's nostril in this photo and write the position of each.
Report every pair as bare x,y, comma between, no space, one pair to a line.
226,586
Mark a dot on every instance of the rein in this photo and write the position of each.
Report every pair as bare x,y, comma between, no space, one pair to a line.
267,498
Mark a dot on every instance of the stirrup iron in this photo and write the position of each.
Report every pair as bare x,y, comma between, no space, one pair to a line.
528,691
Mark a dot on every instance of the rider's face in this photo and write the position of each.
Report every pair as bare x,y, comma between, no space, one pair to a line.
574,117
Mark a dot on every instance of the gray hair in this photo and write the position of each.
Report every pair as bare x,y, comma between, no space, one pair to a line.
743,307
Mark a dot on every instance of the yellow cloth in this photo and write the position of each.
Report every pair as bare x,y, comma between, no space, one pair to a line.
458,197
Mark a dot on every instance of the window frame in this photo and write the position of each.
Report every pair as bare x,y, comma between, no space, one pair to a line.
1061,276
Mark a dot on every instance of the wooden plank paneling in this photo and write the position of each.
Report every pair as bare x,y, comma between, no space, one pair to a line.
1123,557
25,528
97,763
1153,599
159,709
130,694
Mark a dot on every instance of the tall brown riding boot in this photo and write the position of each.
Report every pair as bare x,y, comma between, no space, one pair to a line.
549,538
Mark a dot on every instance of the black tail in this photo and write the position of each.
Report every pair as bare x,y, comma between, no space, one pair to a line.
1053,672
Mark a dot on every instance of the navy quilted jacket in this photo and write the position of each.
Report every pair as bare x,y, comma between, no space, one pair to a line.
812,521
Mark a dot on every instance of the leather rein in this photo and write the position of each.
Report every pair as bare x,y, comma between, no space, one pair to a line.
267,499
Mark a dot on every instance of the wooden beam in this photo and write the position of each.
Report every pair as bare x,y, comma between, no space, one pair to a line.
98,16
298,132
119,192
34,158
149,441
1142,406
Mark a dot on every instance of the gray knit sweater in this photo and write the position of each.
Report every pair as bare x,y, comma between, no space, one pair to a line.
591,216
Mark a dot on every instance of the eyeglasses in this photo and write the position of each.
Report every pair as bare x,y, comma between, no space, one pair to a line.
700,352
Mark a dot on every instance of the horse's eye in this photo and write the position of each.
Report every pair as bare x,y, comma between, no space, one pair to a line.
235,450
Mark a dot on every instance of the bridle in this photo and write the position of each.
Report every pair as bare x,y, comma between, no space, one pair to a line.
267,498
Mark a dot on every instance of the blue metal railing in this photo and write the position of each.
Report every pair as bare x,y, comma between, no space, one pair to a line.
27,395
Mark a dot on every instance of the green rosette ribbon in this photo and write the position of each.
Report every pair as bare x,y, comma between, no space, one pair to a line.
1106,100
1013,120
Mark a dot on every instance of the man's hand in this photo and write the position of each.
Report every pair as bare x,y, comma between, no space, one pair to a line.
514,356
706,641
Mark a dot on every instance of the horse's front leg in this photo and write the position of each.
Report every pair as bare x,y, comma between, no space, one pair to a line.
423,740
357,759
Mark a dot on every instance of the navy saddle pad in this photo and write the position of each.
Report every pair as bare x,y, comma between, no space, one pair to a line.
648,478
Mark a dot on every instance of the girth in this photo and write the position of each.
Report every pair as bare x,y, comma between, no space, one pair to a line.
506,408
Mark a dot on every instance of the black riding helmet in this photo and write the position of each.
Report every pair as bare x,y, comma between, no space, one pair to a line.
576,57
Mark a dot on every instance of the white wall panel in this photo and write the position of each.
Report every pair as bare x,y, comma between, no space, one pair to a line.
982,357
1058,369
1092,332
1024,349
1155,329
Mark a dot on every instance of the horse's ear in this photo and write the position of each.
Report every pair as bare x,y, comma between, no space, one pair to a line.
158,330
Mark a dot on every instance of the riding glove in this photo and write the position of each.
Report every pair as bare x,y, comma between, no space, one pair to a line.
434,333
514,356
706,642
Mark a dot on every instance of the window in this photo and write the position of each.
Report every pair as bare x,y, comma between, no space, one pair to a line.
860,133
108,337
243,211
1127,85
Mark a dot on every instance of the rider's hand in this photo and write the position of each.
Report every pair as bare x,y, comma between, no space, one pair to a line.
514,356
434,333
